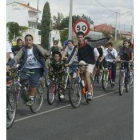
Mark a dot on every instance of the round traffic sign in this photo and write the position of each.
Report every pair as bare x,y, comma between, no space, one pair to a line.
81,25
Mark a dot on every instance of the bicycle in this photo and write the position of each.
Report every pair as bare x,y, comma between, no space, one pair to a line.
124,79
82,90
70,84
98,73
107,75
10,103
21,88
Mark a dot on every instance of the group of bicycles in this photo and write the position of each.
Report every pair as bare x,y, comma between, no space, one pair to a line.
75,86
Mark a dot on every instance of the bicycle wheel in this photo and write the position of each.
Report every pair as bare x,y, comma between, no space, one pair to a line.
131,78
121,82
74,93
127,85
38,99
11,107
105,80
51,92
100,75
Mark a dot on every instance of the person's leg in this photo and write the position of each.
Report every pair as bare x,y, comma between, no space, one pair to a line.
61,79
89,71
34,80
88,81
113,72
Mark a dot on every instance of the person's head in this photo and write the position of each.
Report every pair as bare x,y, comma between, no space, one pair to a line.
55,42
19,42
87,39
80,37
109,45
57,56
29,40
126,43
70,44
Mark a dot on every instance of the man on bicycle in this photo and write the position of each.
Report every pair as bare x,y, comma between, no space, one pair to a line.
110,55
85,53
31,58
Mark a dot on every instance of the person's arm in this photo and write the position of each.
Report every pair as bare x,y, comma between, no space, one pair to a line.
64,55
16,59
7,57
42,51
96,54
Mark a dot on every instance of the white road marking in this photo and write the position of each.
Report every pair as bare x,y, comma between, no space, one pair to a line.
41,113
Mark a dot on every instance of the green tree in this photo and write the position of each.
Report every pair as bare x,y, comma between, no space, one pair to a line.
14,30
63,35
45,26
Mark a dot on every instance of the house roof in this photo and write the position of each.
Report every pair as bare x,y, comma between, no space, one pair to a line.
27,6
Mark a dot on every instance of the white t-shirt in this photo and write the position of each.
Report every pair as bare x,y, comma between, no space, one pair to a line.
110,55
32,62
96,53
9,50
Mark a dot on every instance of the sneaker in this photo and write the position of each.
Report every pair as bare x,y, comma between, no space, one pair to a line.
113,84
62,96
89,96
31,101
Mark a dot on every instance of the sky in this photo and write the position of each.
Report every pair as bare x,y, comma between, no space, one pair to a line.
93,9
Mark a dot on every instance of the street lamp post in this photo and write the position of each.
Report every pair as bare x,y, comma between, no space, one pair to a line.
70,20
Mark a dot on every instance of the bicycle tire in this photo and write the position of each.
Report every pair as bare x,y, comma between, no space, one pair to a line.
11,93
105,80
51,85
39,99
121,83
78,94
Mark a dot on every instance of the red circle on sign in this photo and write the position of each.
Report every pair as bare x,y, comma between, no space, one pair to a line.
86,22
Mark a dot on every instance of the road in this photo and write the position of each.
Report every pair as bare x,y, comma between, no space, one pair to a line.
108,117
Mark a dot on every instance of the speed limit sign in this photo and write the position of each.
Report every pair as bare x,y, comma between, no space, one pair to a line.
81,25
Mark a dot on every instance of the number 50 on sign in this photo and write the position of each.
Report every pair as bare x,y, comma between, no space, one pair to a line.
81,25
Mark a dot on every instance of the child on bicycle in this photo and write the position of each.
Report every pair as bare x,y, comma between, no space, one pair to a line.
110,55
126,53
57,68
32,59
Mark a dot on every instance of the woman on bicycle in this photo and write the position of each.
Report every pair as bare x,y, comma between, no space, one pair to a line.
126,53
32,59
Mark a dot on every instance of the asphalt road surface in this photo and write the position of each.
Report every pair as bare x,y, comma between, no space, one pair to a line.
109,116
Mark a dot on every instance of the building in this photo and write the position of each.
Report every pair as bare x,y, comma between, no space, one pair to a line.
126,35
104,28
24,15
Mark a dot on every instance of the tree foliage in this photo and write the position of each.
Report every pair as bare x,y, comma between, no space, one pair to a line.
45,26
14,30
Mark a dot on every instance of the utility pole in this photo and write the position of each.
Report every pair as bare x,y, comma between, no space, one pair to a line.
70,20
37,13
116,27
132,34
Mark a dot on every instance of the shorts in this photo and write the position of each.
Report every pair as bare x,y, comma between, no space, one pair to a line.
33,78
90,68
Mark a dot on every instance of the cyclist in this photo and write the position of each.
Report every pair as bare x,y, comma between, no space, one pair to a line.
56,67
15,49
32,59
71,54
9,54
126,53
55,47
95,50
110,55
85,53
